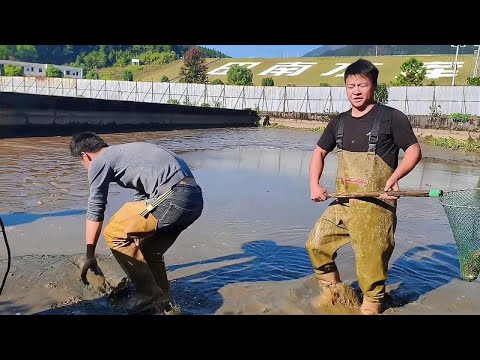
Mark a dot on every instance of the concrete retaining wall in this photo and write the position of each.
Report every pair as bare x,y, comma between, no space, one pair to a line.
22,114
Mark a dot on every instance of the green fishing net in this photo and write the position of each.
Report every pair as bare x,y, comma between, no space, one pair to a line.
463,212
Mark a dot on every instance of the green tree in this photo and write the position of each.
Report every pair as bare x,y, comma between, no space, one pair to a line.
157,58
381,94
102,56
112,57
2,72
194,69
268,82
413,73
164,78
68,51
11,70
473,81
122,59
26,53
54,72
213,53
239,75
92,74
216,82
127,75
4,52
93,60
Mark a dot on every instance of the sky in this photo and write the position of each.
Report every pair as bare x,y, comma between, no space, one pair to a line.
263,51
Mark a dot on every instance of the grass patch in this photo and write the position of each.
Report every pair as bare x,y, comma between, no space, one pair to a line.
279,126
312,76
467,145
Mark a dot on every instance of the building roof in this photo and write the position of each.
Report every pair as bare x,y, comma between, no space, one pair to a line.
23,63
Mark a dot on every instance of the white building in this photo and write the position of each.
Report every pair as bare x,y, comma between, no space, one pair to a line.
37,69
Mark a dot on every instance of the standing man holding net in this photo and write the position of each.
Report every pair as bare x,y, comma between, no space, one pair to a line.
369,137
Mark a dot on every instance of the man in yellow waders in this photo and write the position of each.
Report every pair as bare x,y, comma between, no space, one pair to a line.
368,138
167,201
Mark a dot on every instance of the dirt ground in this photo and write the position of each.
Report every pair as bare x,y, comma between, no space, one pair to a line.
310,124
50,285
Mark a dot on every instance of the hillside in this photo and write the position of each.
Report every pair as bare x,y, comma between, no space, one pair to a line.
68,54
322,50
384,50
317,70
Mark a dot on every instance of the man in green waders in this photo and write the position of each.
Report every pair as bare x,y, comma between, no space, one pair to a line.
368,137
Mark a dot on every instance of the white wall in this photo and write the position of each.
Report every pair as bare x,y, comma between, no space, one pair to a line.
411,100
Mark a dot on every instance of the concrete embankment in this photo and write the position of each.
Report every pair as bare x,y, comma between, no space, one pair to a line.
27,114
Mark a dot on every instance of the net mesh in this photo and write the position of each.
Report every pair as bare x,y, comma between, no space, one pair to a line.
463,212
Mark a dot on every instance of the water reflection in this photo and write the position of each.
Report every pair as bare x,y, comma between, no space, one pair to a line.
39,173
23,218
264,260
429,174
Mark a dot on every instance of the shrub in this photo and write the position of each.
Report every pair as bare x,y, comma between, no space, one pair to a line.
54,72
11,70
381,94
127,75
239,75
473,81
92,74
268,82
458,117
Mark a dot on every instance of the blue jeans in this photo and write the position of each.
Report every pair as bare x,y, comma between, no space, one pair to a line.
181,209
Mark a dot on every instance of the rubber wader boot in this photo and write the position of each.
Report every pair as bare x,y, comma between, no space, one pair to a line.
149,295
159,272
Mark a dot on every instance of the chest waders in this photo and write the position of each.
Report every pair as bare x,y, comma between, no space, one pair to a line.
367,223
142,260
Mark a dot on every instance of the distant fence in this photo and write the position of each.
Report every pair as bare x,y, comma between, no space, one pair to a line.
415,100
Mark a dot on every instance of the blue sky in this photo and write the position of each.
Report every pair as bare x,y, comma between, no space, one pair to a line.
264,51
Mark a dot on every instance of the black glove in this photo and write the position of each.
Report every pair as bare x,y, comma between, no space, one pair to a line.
90,263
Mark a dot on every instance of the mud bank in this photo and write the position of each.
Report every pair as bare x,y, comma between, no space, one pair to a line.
421,132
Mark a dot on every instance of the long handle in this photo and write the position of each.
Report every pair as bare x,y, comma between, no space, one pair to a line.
412,193
9,255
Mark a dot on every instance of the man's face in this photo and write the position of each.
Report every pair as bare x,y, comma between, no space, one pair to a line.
360,90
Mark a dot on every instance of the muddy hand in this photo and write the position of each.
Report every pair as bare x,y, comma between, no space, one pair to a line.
318,193
90,263
391,185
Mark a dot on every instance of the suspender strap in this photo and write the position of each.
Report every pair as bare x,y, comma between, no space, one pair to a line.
373,138
156,202
339,138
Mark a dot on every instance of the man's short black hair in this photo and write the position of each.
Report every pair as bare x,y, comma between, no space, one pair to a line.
86,142
362,67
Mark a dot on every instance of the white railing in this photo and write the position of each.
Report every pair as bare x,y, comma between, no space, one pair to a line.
415,100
